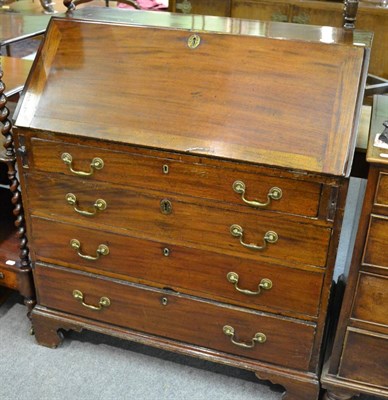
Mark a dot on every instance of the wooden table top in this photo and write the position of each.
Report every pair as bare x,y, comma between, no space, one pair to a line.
15,71
15,26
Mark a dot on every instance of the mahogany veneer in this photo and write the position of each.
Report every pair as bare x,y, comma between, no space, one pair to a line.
359,357
134,176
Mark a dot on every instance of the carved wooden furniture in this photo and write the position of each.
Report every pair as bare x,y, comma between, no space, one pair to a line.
370,17
186,199
359,359
15,269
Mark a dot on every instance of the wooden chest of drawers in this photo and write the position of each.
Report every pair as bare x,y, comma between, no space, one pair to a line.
185,196
359,359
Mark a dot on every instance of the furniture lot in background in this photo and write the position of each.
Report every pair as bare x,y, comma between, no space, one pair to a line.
370,17
15,271
359,357
16,27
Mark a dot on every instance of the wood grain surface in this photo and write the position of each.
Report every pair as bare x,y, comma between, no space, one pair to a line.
231,97
141,308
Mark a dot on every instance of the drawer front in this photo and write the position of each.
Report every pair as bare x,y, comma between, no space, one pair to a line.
176,176
8,278
371,302
183,269
365,357
381,198
288,342
375,252
199,225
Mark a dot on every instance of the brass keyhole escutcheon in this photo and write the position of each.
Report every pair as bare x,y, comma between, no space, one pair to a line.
164,301
193,41
166,206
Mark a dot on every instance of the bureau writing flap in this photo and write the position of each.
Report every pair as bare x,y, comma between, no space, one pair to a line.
269,93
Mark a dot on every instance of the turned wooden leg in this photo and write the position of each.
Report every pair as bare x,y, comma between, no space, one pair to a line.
29,303
296,388
330,395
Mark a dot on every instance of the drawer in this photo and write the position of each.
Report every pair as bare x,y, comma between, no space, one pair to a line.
375,252
183,269
204,225
365,357
187,319
381,198
8,277
371,301
176,176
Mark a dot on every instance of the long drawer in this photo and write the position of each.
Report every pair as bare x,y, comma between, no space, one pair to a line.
189,176
256,335
371,300
198,272
147,215
365,357
375,253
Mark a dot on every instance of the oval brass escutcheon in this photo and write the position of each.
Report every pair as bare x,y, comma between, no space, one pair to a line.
193,41
166,206
164,301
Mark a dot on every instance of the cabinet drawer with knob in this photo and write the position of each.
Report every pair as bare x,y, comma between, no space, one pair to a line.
233,279
179,220
187,175
226,328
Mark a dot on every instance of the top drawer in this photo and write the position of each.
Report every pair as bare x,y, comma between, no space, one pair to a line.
190,177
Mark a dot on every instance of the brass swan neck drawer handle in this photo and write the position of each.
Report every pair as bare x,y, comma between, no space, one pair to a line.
99,205
102,250
96,164
258,338
104,301
269,237
274,193
265,284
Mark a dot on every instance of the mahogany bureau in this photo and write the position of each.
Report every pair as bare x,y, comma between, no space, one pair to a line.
359,358
184,179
